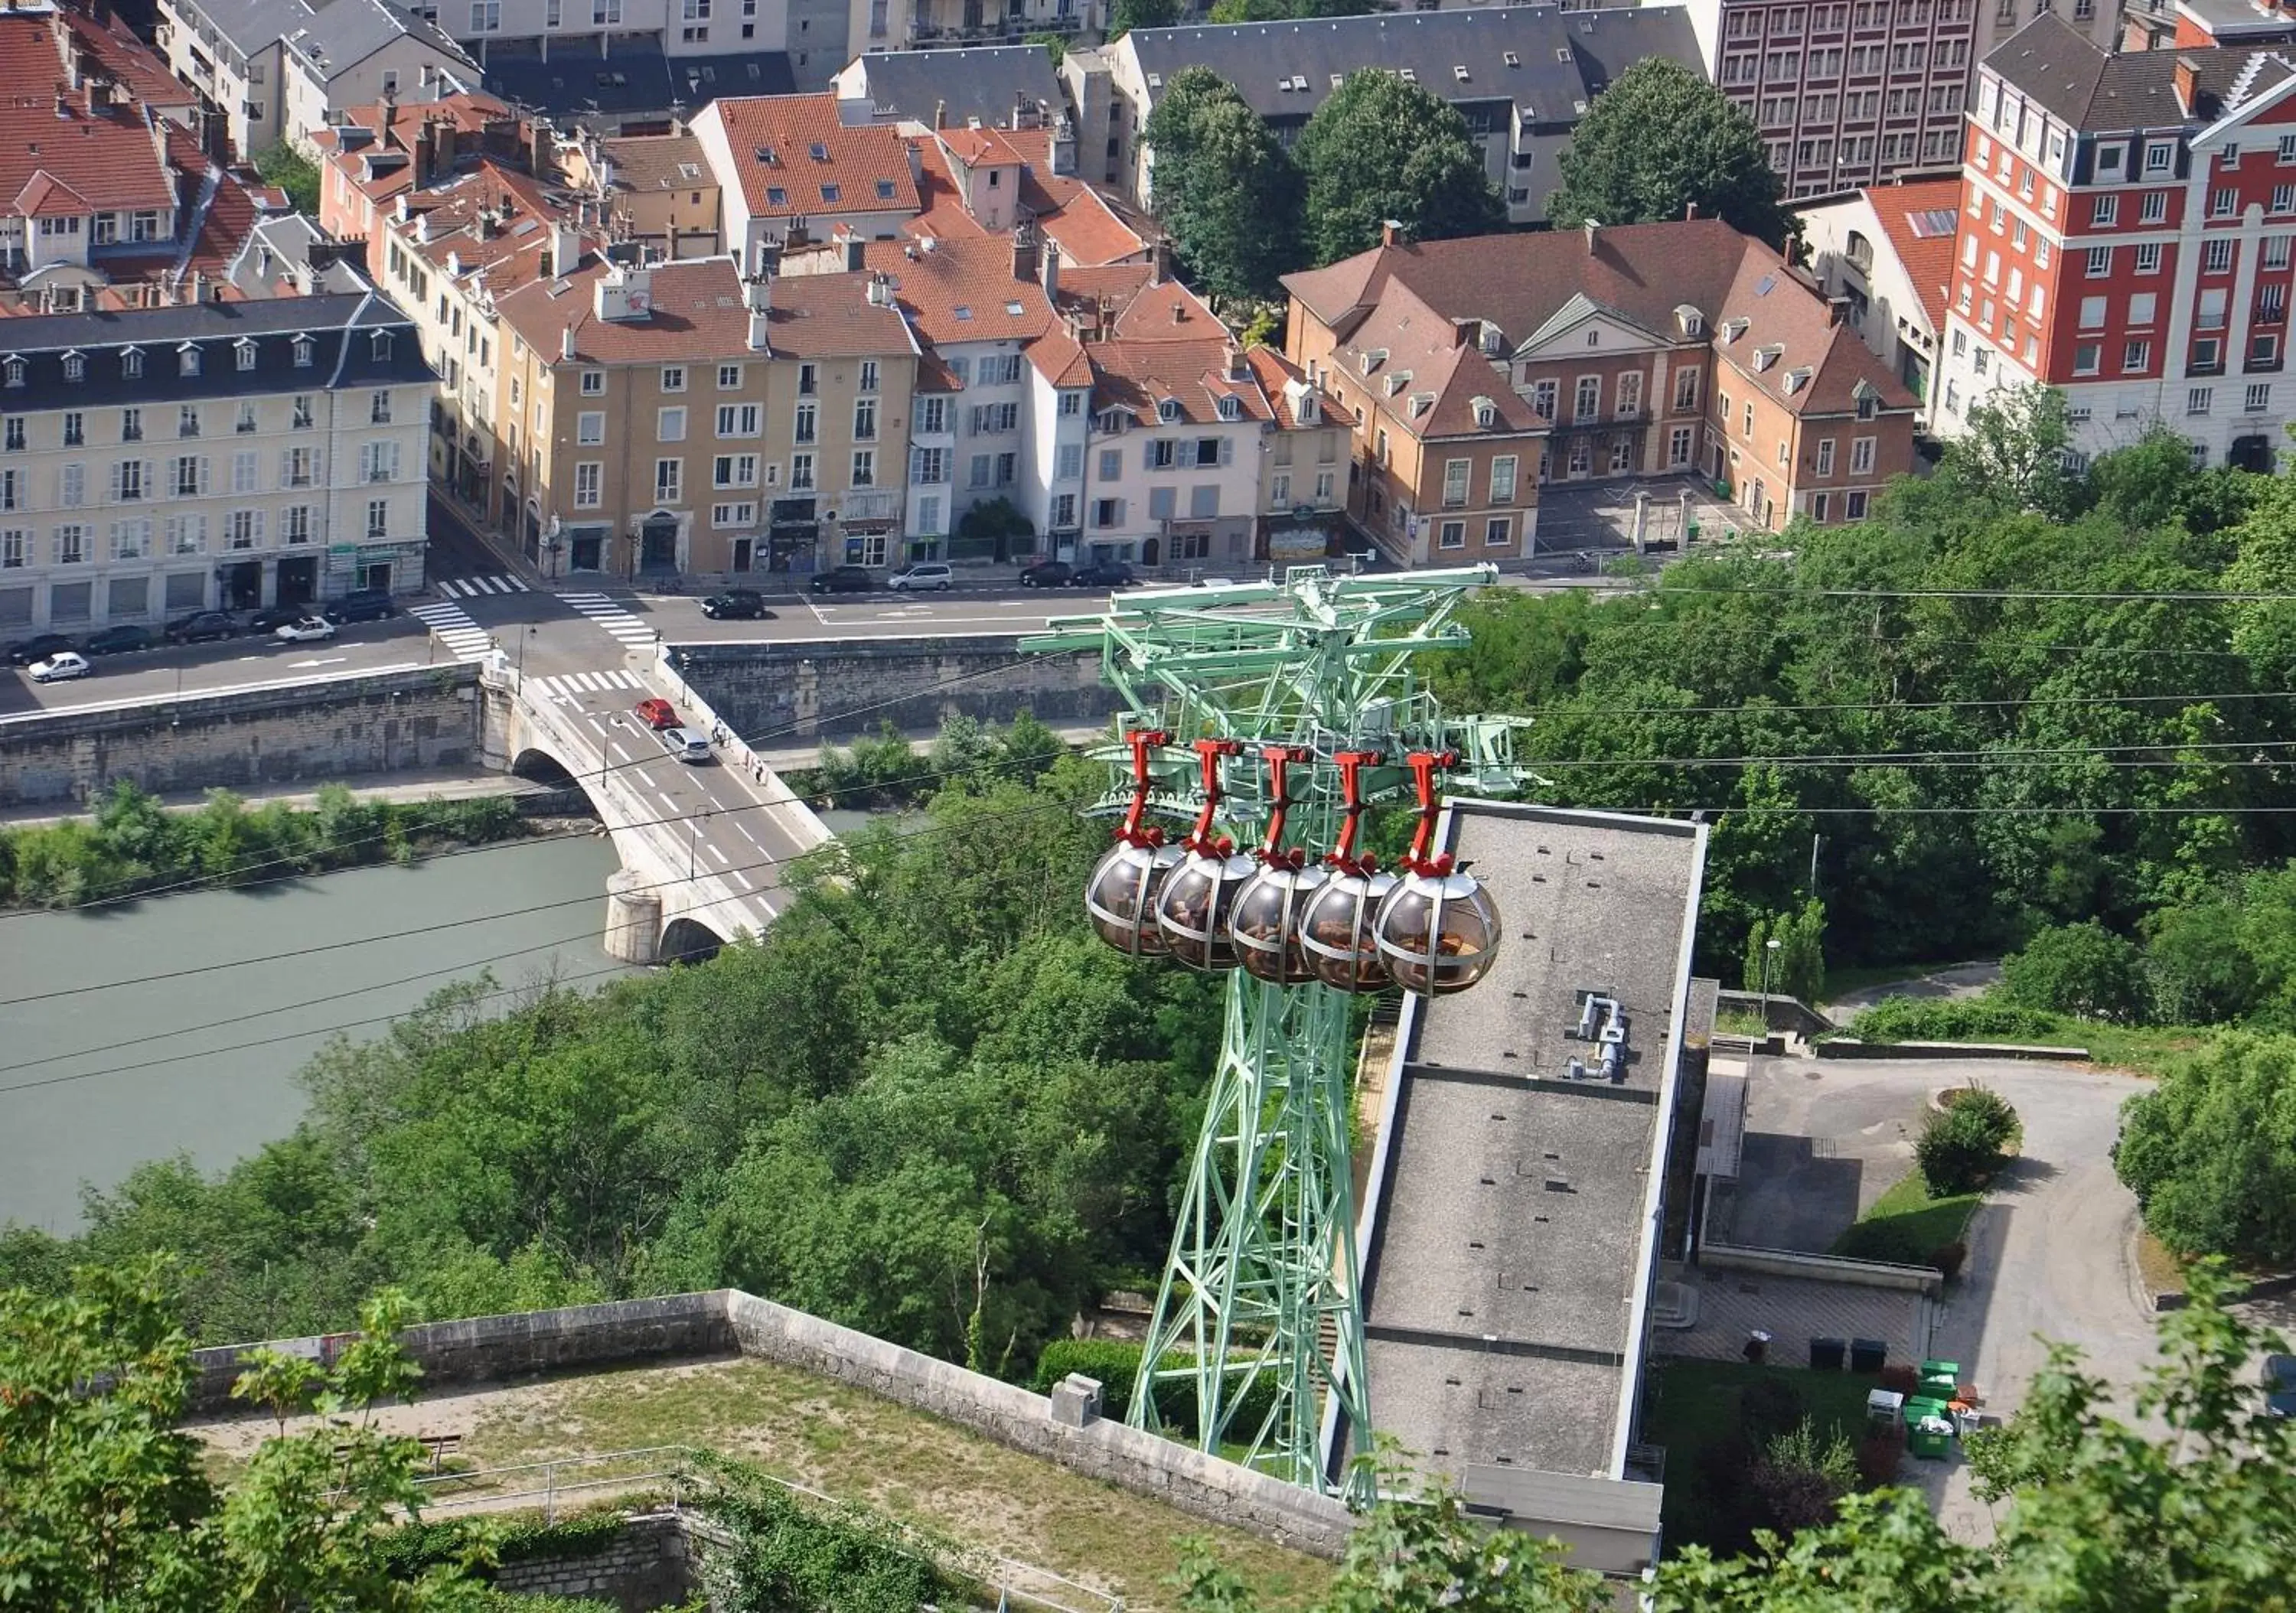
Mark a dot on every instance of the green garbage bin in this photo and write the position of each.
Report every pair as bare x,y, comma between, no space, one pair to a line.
1929,1429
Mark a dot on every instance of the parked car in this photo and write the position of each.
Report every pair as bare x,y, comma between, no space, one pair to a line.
117,640
686,744
1102,574
203,625
1047,574
844,580
362,605
37,649
656,712
735,604
62,665
925,575
273,618
303,630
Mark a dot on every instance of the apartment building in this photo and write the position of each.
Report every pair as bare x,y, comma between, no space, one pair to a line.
547,52
790,169
884,26
956,87
275,73
656,190
1520,76
681,417
234,454
1888,251
1303,473
2127,237
2185,24
1476,372
1849,92
376,155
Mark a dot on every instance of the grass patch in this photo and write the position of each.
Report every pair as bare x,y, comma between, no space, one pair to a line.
1731,1022
1905,1224
1694,1412
2148,1050
916,1467
2158,1268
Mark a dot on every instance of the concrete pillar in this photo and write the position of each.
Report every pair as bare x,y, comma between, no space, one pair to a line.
632,919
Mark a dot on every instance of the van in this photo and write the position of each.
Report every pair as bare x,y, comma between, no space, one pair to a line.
363,605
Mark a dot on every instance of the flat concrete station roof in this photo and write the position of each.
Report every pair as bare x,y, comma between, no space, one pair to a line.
1515,1203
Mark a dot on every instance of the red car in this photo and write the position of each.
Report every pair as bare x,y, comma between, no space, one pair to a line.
656,712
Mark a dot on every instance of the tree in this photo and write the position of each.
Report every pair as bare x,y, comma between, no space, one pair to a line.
293,172
1963,1144
1380,149
1055,46
2210,1152
2015,448
1659,140
1796,969
106,1503
1125,15
2083,969
1224,186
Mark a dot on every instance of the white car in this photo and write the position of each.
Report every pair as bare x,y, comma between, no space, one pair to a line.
924,575
306,629
63,664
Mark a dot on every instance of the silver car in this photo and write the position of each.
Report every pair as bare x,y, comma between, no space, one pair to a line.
686,744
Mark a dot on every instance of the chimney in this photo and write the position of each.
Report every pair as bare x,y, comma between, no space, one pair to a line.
566,345
670,247
542,152
426,156
1691,210
856,254
1791,247
443,145
940,116
1390,232
1836,309
1048,273
565,249
2188,78
1024,252
389,109
1237,370
760,292
1160,262
1594,228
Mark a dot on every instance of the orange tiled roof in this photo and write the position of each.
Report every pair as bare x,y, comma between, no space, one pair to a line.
774,139
701,311
1920,220
107,157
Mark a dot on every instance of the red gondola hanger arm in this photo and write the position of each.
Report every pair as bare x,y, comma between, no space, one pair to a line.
1130,831
1200,839
1342,855
1424,766
1280,760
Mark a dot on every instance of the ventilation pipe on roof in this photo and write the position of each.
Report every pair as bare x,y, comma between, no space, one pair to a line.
1690,211
940,116
1593,230
1049,272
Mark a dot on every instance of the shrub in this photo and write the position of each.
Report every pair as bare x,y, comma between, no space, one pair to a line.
1958,1151
1767,1408
2211,1153
1878,1456
1887,1240
1801,1474
1954,1020
1949,1258
1987,1109
2082,969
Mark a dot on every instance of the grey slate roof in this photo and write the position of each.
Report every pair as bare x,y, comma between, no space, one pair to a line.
341,328
2089,88
636,79
982,83
1563,59
344,33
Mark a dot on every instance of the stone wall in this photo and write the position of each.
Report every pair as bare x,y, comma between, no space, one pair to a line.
652,1563
483,1349
1173,1474
802,691
320,732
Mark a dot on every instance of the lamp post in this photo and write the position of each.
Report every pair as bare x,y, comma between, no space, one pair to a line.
1769,953
693,840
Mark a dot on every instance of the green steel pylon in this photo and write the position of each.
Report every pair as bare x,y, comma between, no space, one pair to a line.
1261,1288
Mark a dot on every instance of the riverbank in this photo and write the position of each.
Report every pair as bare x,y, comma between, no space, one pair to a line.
135,843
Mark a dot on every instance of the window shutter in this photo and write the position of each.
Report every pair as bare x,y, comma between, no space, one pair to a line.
1227,450
206,469
115,484
259,529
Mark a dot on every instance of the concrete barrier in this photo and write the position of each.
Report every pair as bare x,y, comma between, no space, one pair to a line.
1843,1047
1823,1268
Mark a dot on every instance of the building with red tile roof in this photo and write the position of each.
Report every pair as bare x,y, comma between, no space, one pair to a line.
1479,369
1889,250
789,170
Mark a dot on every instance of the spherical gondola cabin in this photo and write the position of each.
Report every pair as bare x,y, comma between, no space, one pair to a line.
1438,929
1338,931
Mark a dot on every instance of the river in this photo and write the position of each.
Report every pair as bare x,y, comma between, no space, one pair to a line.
115,1052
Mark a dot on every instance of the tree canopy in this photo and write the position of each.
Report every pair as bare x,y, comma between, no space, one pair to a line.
1225,187
1125,15
1381,149
1659,140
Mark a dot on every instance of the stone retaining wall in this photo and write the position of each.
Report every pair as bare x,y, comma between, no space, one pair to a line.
800,691
1830,1268
652,1563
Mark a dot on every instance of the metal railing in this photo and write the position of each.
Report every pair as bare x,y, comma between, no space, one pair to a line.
1004,1580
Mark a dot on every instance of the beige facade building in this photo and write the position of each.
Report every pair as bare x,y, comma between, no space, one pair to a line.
681,418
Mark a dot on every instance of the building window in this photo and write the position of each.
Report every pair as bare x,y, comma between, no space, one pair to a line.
589,480
1825,456
668,481
378,519
594,384
748,420
74,429
2152,208
1588,402
868,375
733,470
590,429
295,525
1455,482
2223,201
1861,455
2217,256
2197,399
800,471
300,420
865,468
729,378
865,420
1854,506
2135,357
2087,357
1542,399
187,420
2263,351
304,350
1453,535
2256,399
378,461
188,360
669,425
1678,447
1685,390
2104,211
2159,155
2148,258
72,544
1502,474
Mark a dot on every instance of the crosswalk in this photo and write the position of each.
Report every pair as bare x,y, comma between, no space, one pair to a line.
453,628
475,587
566,685
603,610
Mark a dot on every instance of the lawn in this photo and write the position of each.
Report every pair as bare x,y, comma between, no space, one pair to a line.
1906,1223
857,1448
1693,1413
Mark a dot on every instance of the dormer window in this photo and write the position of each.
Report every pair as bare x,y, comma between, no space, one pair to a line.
131,363
381,345
1493,341
1422,403
1868,401
1487,413
1111,422
1168,410
12,369
304,348
1796,379
1691,321
75,366
1231,408
1373,359
243,353
1764,358
1733,329
187,359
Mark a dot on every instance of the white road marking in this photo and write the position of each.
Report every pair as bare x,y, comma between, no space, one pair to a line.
333,660
753,840
616,748
723,860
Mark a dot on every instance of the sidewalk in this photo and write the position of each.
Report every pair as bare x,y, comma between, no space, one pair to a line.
428,784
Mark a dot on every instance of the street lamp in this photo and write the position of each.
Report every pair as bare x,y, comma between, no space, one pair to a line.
1769,951
693,840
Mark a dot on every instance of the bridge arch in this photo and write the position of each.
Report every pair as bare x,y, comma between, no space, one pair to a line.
686,940
542,766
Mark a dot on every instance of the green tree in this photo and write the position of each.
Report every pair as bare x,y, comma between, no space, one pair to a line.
1380,149
1125,15
1796,969
2210,1152
2083,969
1055,46
1224,186
1659,140
293,172
2015,448
106,1503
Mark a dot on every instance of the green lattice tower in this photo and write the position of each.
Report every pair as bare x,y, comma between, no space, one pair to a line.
1261,1286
